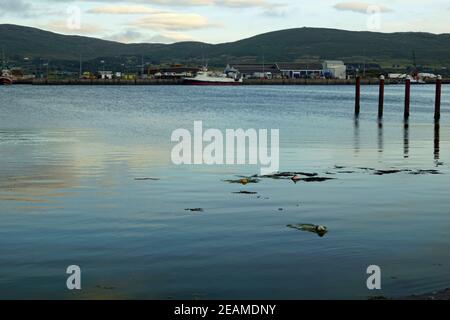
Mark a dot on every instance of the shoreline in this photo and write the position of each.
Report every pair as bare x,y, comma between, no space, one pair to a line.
250,82
442,295
436,295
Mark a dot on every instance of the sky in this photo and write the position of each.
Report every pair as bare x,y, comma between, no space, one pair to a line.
218,21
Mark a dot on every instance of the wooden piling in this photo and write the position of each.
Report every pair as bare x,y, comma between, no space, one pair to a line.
358,96
407,97
437,108
381,98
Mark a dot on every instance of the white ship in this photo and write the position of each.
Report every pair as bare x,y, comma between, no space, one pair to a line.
205,78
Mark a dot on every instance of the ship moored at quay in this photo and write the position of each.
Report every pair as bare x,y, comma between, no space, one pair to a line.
205,78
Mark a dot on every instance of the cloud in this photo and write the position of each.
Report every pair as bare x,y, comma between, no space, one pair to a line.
15,7
134,9
61,26
169,37
173,21
136,36
360,7
128,36
196,3
275,13
243,3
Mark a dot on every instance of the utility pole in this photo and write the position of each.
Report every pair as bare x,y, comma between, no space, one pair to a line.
364,70
264,62
3,58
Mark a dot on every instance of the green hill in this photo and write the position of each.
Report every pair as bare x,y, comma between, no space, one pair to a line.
285,45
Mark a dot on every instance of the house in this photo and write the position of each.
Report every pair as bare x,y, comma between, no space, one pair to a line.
301,70
255,71
335,69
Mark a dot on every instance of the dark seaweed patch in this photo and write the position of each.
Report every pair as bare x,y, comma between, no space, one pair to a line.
317,179
245,192
194,210
385,172
420,172
288,175
319,230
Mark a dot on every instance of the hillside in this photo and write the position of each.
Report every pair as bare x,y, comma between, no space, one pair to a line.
284,45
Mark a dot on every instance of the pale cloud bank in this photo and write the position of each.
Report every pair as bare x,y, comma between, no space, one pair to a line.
360,7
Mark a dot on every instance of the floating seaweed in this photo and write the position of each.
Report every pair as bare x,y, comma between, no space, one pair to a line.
288,175
317,229
297,176
420,172
317,179
146,179
413,172
194,210
392,171
244,181
245,192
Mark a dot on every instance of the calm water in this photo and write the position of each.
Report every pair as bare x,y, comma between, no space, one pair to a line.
69,157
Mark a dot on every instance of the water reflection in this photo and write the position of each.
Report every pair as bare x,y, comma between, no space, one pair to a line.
437,129
406,139
356,135
380,136
42,167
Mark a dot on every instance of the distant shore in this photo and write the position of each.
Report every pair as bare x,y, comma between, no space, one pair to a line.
286,82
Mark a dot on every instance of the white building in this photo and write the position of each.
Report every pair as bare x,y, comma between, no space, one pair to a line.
337,69
301,70
106,75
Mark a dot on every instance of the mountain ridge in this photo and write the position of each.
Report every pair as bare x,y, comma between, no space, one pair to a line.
281,45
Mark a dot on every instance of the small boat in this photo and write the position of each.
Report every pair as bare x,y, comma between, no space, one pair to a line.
6,78
205,78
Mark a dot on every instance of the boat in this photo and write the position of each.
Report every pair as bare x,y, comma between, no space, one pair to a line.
205,78
5,78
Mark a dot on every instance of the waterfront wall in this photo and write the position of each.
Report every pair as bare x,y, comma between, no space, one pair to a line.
286,82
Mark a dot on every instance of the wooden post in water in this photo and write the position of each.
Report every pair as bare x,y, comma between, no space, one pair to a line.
437,108
381,98
407,96
358,96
